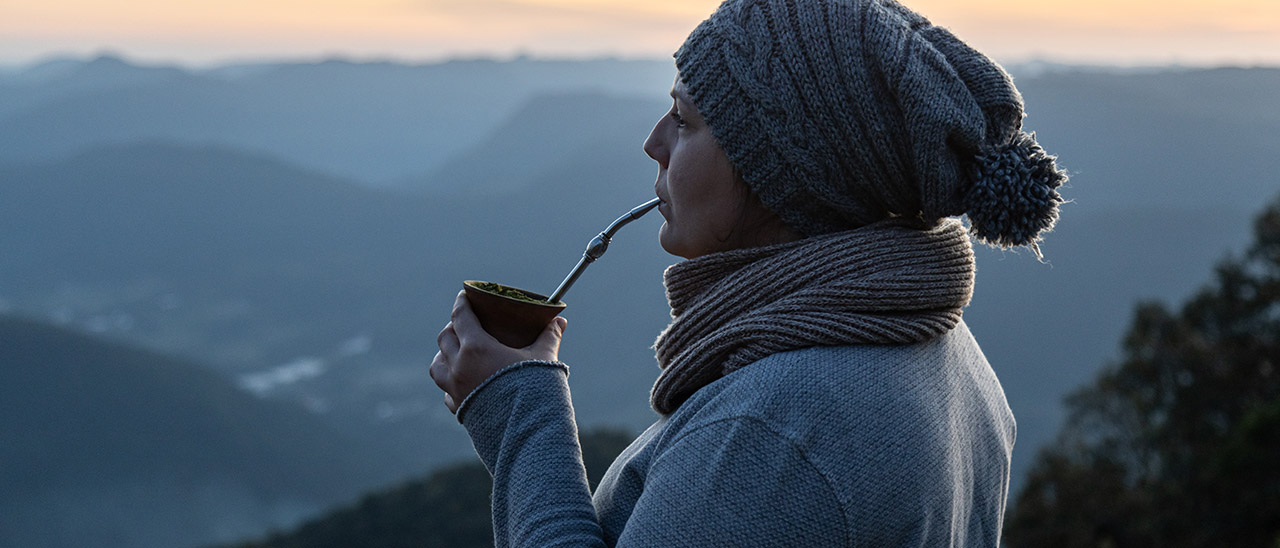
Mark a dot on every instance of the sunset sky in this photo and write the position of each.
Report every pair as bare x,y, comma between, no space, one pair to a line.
201,32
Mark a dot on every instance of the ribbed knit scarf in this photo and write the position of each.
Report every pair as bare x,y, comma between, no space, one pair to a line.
892,282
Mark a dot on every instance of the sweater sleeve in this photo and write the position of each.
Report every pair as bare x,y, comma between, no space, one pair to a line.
521,423
735,482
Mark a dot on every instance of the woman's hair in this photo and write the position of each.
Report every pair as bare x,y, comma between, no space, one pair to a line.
840,113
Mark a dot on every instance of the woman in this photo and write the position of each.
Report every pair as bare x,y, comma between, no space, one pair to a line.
818,386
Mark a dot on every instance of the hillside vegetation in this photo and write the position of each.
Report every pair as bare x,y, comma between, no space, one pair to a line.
107,445
1177,443
448,508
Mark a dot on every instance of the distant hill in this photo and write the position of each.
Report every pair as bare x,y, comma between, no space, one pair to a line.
107,445
376,123
529,151
57,79
248,265
258,266
225,249
1180,138
264,270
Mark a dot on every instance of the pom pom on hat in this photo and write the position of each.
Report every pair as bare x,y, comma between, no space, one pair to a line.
1014,197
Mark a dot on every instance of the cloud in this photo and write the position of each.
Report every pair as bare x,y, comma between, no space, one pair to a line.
300,369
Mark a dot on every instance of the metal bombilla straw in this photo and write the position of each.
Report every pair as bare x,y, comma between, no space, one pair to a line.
598,246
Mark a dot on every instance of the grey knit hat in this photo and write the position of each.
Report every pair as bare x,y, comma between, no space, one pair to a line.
840,113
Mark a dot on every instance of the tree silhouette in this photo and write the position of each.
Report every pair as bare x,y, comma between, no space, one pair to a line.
1179,443
449,508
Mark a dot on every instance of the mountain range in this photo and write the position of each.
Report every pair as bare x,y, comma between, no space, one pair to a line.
378,123
315,274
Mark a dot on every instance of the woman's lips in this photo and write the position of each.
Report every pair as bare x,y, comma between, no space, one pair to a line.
663,205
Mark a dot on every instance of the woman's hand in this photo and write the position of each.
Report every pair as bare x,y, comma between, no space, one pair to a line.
468,354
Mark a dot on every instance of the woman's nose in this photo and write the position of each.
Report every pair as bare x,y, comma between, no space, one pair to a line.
655,146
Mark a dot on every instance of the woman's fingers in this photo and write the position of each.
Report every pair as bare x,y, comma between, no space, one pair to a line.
465,323
439,371
462,307
468,354
444,376
447,340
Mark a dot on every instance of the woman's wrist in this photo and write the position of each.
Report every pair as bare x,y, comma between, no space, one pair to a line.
473,399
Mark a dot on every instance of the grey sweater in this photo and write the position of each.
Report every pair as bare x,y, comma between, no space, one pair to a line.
828,446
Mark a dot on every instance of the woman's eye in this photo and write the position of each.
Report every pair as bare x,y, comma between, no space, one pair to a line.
676,116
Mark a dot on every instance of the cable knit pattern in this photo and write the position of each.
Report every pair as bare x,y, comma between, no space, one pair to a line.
841,113
892,282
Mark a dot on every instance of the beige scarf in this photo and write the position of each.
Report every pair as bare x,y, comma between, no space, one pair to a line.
892,282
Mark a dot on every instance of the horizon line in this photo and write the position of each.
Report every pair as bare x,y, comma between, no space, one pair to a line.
1029,61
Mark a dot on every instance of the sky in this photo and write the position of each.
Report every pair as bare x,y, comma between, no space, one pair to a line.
208,32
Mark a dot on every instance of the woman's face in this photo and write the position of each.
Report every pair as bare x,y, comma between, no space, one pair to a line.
702,200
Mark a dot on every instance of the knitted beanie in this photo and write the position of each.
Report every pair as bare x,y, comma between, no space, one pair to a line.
840,113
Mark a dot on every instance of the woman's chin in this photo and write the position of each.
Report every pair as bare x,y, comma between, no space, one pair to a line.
669,242
664,239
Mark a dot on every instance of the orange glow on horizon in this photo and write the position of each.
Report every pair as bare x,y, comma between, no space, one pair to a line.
208,30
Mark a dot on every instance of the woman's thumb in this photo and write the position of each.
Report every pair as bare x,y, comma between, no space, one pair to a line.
549,340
